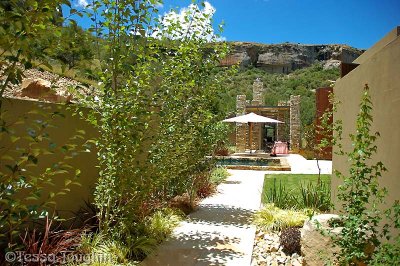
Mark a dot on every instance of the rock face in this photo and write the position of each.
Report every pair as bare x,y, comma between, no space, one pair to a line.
317,249
44,86
287,57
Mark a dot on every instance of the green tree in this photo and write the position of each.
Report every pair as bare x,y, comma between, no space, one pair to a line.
74,46
157,111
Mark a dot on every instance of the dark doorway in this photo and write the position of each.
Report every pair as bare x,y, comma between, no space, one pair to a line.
269,137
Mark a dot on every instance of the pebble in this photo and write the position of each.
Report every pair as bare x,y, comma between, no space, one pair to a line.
268,252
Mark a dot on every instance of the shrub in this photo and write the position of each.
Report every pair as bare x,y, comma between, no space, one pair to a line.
51,241
290,240
274,218
221,151
387,254
311,195
115,251
183,203
206,183
161,223
281,197
218,175
315,196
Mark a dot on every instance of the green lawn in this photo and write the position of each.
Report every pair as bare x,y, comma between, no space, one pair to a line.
287,192
292,181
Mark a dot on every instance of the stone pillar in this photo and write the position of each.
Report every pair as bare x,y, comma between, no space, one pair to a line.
258,92
256,136
295,122
241,129
282,116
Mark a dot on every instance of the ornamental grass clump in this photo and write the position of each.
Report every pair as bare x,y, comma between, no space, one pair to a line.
161,223
272,218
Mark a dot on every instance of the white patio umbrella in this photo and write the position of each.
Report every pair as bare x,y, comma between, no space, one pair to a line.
250,119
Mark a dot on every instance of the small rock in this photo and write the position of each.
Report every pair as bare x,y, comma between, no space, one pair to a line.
274,248
296,263
268,238
281,260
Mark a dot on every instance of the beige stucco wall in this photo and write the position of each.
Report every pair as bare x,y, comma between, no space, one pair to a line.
381,71
387,39
64,128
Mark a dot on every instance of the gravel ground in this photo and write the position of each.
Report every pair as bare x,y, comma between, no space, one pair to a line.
267,251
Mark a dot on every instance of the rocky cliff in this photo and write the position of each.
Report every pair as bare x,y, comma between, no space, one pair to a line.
287,57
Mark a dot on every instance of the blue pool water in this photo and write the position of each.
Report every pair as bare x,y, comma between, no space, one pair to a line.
246,161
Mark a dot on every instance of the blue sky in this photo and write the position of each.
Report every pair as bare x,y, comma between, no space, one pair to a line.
359,23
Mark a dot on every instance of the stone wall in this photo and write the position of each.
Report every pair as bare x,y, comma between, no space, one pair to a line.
283,127
295,123
287,131
258,92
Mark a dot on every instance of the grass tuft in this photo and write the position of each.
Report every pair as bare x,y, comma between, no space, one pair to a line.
272,218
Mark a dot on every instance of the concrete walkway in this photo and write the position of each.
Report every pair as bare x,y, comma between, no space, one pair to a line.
220,231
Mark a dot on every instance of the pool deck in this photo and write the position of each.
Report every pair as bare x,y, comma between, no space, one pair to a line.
300,165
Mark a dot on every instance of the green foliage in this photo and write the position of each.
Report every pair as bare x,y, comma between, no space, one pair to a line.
361,196
122,250
157,110
218,175
161,223
274,218
104,250
387,254
280,196
73,47
298,191
21,22
316,196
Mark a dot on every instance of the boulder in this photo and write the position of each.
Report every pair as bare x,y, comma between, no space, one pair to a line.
330,64
318,249
37,88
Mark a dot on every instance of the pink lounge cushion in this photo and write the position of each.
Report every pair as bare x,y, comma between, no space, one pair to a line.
280,148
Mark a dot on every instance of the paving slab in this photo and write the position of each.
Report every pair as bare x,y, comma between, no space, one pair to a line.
220,231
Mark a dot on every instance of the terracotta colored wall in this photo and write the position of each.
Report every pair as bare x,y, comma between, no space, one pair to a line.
381,72
64,129
323,105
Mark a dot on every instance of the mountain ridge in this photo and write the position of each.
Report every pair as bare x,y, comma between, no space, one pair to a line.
288,57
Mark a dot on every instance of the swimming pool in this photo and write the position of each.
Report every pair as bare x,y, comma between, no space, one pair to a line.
252,163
